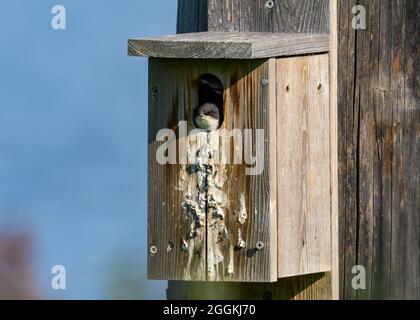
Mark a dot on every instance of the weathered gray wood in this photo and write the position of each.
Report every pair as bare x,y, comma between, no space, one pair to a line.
232,205
303,156
192,16
169,224
333,53
290,16
250,208
379,155
228,45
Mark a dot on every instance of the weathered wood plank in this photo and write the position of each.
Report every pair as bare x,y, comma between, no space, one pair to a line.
290,16
192,16
303,156
347,154
411,147
250,211
227,202
335,263
379,109
178,256
213,45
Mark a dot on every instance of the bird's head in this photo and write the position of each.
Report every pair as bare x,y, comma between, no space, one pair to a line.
207,117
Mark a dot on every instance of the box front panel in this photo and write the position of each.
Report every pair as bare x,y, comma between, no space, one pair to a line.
212,210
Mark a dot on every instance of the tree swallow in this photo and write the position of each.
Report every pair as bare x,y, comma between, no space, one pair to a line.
207,117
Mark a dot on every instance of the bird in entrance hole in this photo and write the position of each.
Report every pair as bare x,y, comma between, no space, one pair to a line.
207,117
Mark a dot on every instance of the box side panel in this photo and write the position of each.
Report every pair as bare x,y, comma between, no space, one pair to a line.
304,221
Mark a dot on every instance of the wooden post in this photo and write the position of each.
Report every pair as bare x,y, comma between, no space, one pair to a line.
379,135
305,16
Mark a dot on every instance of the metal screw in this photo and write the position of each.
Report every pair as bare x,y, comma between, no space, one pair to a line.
153,249
259,245
264,82
269,4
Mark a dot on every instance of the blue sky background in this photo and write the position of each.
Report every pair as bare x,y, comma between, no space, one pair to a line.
73,141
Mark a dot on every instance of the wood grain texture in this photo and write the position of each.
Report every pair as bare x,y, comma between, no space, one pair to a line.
379,149
214,45
333,56
289,16
303,157
168,222
212,255
308,287
192,16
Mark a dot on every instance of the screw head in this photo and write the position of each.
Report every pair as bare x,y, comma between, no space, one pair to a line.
269,4
259,245
153,249
264,82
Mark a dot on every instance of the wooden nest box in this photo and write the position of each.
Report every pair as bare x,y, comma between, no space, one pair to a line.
251,201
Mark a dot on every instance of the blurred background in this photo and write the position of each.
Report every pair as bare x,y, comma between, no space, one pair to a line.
73,143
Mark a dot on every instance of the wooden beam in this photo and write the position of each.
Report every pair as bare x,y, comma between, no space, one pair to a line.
226,45
288,16
335,281
379,149
192,16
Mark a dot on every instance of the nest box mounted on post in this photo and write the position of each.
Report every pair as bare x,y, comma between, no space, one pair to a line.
239,155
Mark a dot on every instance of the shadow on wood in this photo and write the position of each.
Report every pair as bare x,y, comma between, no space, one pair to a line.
308,287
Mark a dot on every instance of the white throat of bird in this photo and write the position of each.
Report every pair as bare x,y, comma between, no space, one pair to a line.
207,123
